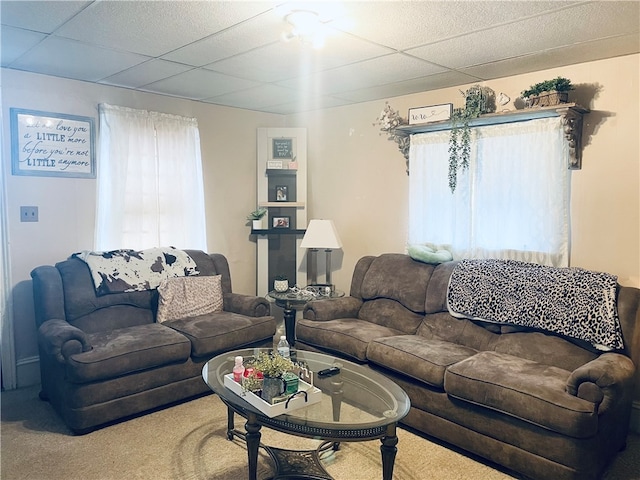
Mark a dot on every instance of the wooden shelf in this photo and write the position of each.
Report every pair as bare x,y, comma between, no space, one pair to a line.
278,231
282,204
497,118
571,119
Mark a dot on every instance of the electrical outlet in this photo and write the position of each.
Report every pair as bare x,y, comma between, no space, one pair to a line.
28,214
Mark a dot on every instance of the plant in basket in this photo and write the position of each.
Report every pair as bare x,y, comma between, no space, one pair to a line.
272,366
549,92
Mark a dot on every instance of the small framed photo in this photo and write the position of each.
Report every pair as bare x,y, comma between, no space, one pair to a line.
280,222
281,193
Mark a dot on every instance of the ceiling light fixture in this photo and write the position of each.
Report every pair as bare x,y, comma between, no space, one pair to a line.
307,27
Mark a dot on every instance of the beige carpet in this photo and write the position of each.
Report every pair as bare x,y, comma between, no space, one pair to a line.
188,442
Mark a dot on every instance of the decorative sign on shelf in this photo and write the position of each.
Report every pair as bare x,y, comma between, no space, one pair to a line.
52,144
432,113
282,148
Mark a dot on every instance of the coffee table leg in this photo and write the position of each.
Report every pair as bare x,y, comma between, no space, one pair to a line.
290,325
389,450
253,442
230,424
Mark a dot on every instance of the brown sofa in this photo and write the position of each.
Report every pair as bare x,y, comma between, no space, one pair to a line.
539,404
104,357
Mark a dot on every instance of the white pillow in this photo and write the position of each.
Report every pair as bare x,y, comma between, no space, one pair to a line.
183,297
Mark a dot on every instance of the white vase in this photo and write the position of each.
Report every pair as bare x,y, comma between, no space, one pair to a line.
281,285
257,224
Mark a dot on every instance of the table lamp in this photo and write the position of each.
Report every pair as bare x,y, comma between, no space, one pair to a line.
321,234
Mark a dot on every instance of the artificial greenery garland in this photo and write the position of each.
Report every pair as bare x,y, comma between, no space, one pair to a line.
478,100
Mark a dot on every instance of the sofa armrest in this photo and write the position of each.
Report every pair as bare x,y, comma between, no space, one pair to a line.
331,308
248,305
61,339
602,380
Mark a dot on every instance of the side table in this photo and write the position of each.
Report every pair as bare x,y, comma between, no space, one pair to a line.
293,300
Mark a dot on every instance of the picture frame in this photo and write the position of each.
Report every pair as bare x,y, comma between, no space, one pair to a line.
282,148
282,193
52,144
430,114
280,222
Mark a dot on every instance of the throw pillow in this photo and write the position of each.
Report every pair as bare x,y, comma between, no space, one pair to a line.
426,254
183,297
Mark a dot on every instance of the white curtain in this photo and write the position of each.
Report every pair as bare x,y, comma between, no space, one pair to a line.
511,203
150,186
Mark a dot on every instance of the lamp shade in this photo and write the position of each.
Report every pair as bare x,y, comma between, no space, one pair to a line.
321,234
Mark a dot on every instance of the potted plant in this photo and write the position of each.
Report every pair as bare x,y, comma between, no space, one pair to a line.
256,218
281,283
273,367
549,92
477,101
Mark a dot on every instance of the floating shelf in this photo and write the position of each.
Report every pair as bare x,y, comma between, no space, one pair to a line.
278,231
571,120
282,204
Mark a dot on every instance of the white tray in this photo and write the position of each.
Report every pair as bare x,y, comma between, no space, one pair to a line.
314,395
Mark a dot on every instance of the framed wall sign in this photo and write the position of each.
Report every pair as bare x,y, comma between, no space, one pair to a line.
431,113
282,148
52,144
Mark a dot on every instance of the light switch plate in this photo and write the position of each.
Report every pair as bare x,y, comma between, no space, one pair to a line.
28,214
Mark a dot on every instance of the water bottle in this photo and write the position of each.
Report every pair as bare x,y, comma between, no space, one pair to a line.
238,369
283,347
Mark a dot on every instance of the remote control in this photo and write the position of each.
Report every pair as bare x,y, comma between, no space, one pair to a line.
329,372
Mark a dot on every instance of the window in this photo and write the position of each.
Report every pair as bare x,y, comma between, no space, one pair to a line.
511,203
150,188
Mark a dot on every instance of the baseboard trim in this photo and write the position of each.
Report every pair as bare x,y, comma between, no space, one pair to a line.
634,424
28,371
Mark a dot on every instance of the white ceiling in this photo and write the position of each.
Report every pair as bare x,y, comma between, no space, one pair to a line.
231,52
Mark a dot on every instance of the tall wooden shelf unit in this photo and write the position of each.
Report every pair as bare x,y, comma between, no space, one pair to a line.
278,249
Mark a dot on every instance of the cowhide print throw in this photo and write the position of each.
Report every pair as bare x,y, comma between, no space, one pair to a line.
573,302
130,270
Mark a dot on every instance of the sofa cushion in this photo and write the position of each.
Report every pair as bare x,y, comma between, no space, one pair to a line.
182,297
390,313
398,277
220,331
127,350
92,313
348,336
544,348
524,389
417,357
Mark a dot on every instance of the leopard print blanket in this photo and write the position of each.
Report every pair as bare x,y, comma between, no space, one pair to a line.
573,302
135,270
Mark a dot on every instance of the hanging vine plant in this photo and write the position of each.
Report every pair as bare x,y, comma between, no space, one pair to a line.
478,100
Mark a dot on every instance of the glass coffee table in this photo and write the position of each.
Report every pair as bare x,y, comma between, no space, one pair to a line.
357,404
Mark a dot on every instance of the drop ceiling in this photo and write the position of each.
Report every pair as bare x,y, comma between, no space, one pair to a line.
231,52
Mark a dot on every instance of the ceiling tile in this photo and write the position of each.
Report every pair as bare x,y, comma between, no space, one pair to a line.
404,25
166,25
15,42
198,84
538,61
407,87
145,73
256,97
377,71
230,51
32,15
67,58
283,60
255,32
